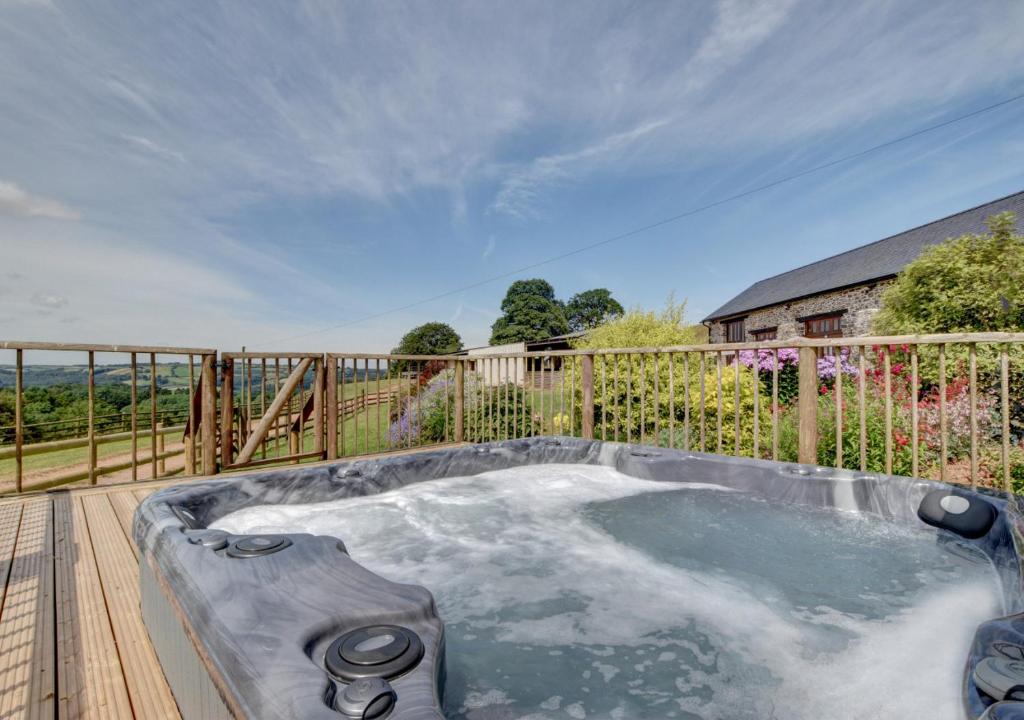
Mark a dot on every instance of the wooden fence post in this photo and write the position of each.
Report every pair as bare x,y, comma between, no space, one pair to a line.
92,418
588,397
332,408
161,462
19,421
208,416
227,410
318,406
808,406
193,420
460,400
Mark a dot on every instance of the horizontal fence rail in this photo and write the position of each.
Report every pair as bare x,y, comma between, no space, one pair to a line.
949,407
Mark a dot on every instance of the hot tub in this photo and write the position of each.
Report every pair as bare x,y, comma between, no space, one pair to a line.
564,578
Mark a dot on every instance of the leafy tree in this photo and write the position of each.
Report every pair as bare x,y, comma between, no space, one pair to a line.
534,286
590,308
973,283
432,338
6,407
531,312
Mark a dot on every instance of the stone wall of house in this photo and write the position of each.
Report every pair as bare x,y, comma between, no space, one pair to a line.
860,305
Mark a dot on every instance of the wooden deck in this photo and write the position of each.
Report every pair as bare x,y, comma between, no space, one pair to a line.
72,642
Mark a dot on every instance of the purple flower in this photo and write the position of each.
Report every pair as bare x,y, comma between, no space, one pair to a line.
828,364
790,357
408,424
766,358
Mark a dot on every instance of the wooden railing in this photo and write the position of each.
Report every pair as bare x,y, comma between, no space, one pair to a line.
201,381
944,406
76,427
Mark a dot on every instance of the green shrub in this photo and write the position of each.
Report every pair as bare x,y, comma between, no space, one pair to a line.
629,409
728,416
874,416
487,416
971,283
991,466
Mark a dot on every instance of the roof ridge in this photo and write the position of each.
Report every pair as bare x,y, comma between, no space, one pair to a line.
888,237
879,256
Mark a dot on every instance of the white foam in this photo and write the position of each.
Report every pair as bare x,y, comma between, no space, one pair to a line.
514,538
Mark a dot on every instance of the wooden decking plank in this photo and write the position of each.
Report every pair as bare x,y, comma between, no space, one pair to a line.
124,504
26,619
10,519
119,574
91,681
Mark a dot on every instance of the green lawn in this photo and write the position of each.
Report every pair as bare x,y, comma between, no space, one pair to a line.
77,456
366,432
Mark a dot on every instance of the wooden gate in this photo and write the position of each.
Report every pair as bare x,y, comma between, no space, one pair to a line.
290,409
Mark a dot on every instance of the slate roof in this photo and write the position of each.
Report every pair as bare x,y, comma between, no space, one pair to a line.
874,261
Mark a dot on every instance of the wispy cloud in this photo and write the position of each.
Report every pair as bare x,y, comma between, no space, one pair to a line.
739,28
171,145
489,247
16,201
380,102
154,148
456,314
521,192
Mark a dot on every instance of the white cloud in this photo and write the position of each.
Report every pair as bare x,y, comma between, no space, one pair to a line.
48,300
16,201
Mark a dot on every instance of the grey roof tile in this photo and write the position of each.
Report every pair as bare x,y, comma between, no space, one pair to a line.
880,259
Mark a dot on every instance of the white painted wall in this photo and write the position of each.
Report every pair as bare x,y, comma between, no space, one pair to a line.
497,371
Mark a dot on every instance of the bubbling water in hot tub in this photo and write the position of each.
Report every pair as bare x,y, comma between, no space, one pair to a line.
574,591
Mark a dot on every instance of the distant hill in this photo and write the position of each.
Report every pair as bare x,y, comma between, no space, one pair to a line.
170,376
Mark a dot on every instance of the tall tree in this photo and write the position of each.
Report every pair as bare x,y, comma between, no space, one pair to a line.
531,312
590,308
432,338
535,286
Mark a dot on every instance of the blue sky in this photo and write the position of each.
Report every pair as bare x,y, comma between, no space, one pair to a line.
228,174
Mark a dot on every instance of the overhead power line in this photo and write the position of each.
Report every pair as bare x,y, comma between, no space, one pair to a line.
665,221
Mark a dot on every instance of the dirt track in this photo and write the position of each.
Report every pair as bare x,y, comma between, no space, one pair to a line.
41,477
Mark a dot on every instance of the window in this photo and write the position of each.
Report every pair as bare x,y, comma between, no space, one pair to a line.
765,334
734,331
824,326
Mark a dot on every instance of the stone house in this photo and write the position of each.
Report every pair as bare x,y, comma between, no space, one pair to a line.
838,296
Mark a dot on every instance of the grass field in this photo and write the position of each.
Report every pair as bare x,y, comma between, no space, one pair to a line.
78,456
366,432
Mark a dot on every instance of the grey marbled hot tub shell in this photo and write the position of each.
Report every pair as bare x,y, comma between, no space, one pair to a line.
257,628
